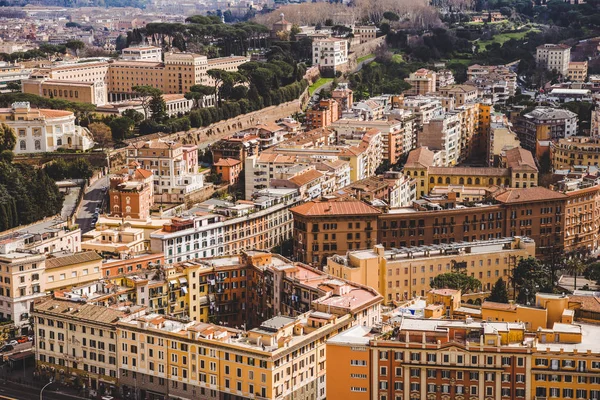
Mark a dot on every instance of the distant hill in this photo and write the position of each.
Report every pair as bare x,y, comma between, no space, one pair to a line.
76,3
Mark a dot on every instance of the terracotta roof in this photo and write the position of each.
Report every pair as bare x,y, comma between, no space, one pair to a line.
498,306
227,162
173,97
147,64
77,258
90,312
269,127
528,194
420,157
306,177
142,173
55,113
322,208
445,292
459,88
518,158
587,303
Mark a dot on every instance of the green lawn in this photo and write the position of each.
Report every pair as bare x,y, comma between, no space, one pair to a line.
365,57
504,37
397,58
320,82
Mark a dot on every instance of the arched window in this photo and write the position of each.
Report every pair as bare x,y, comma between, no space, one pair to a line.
469,181
498,181
116,208
127,209
506,182
448,180
517,184
532,176
517,175
440,179
127,200
38,145
422,173
524,184
477,181
461,181
69,141
431,180
59,142
22,145
491,181
415,173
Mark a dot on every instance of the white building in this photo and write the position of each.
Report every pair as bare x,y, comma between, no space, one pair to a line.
145,53
555,57
330,53
443,133
42,130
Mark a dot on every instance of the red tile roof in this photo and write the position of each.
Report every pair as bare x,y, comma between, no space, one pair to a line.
528,194
227,162
306,177
314,208
419,158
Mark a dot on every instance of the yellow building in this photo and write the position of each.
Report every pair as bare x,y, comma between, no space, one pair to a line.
75,340
63,272
574,151
400,274
282,358
577,71
79,91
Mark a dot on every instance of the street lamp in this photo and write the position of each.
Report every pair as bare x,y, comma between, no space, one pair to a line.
45,386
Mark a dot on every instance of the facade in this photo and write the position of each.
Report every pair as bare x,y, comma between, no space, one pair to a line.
174,167
142,53
325,228
575,151
66,271
79,91
461,94
46,237
79,339
131,192
366,33
42,130
545,124
330,54
554,57
422,81
577,71
229,169
322,114
402,274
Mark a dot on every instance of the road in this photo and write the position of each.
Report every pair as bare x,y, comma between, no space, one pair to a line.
91,198
21,392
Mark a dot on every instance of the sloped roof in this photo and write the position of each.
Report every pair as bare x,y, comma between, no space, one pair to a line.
420,157
355,207
528,194
142,173
306,177
76,258
519,158
227,162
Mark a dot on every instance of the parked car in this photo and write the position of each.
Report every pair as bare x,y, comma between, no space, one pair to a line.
6,347
22,339
12,342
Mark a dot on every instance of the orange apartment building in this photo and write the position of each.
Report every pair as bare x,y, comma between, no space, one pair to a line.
538,213
229,169
131,192
325,228
323,114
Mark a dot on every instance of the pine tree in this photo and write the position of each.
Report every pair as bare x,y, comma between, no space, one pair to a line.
499,292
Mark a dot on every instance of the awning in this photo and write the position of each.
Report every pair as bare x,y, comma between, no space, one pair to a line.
173,282
184,289
182,280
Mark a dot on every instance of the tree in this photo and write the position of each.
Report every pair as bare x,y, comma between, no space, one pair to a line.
120,128
198,92
102,134
8,138
499,292
457,281
158,108
145,93
133,115
391,16
120,42
575,265
529,277
13,86
75,46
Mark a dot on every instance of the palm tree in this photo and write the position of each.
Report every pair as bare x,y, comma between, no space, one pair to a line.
576,265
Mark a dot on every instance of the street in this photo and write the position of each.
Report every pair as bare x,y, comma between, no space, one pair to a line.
91,198
11,390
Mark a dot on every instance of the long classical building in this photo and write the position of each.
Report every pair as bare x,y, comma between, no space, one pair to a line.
42,130
103,82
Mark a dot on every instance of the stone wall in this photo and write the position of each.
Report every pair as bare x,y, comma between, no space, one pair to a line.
203,137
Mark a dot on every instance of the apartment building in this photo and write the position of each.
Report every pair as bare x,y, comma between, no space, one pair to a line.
402,274
554,57
78,339
64,271
131,192
344,97
578,71
399,132
174,167
442,133
392,189
501,138
325,228
42,130
224,228
422,82
123,241
229,169
423,107
47,236
330,53
237,146
575,151
495,83
366,33
545,124
444,77
322,114
461,94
